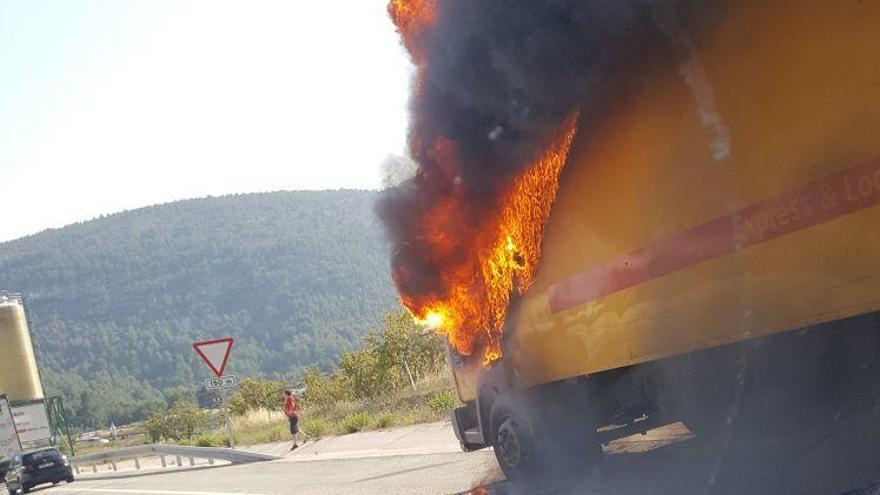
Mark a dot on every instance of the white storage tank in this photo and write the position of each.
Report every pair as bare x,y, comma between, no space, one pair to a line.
19,376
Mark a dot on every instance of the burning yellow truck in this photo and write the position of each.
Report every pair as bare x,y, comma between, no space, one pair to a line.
724,219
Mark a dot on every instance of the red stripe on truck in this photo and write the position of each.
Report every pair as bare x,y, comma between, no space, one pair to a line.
818,202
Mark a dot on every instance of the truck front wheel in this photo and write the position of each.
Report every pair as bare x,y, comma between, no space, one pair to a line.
514,441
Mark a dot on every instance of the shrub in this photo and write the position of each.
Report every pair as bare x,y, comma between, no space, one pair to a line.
315,427
324,390
363,370
211,440
384,420
393,355
178,422
257,394
356,422
442,402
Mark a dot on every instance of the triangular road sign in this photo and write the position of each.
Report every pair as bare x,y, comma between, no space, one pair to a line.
215,353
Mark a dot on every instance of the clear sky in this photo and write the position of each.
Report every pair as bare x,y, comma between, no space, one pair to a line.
116,104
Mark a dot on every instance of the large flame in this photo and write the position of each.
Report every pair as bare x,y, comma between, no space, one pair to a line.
504,257
479,271
412,17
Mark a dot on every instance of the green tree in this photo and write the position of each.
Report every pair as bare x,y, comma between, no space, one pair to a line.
397,355
364,373
257,394
322,389
182,420
407,351
297,277
180,394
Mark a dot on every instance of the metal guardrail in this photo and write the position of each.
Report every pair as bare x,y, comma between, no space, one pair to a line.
162,451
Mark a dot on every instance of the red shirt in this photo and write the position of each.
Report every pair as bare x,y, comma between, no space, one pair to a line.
290,407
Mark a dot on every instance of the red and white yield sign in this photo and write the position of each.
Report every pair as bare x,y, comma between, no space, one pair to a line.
215,353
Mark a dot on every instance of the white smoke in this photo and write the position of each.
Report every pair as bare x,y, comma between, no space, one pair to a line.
697,81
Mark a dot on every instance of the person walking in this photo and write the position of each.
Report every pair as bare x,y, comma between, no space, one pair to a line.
291,410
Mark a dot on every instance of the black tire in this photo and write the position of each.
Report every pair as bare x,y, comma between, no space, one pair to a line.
549,434
70,479
514,440
25,489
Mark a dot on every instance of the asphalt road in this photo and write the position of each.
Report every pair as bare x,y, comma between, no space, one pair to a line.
393,475
841,457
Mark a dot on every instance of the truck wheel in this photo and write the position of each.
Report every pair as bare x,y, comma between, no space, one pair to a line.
549,435
514,441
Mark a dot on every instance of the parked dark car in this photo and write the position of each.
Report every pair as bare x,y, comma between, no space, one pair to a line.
38,466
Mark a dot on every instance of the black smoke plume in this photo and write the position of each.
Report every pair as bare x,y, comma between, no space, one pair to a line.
495,79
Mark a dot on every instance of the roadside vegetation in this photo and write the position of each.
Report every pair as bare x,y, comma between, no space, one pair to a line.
297,277
398,377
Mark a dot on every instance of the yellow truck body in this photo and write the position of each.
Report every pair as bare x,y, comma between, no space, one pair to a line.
733,194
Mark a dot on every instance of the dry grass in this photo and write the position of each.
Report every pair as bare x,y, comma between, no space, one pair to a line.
260,427
405,407
431,401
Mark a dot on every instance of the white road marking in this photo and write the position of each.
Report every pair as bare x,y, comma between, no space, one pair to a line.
146,492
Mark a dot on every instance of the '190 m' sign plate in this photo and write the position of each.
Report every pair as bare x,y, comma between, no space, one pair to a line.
228,381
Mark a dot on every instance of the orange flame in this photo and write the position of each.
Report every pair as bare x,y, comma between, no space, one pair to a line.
505,256
412,18
500,257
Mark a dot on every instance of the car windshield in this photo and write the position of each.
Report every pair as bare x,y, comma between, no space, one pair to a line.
440,247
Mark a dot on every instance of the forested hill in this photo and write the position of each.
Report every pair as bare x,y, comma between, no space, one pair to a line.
116,302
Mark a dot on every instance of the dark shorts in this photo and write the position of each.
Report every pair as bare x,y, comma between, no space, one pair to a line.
294,425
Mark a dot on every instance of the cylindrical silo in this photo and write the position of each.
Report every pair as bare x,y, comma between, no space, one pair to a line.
19,377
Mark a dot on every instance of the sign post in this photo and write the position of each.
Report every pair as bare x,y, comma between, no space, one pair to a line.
215,353
228,419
